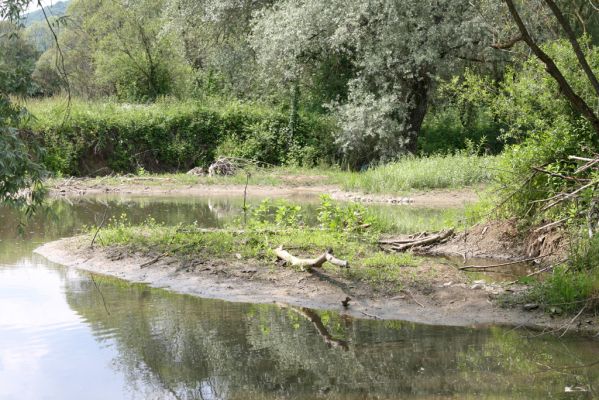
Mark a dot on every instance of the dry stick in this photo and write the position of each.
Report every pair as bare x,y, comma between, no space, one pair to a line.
99,227
580,158
554,174
412,297
552,224
166,253
588,165
370,315
309,262
570,195
478,267
245,192
531,274
571,367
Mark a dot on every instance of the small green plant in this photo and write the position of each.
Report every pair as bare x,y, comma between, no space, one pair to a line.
349,217
280,213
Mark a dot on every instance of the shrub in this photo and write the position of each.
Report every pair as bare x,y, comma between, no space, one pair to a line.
541,127
91,137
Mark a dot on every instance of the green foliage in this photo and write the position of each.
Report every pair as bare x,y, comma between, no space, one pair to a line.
165,136
280,213
453,127
572,284
17,61
394,49
430,172
331,216
20,173
272,224
540,125
115,48
347,217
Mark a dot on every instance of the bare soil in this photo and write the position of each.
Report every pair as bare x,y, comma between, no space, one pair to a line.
295,186
433,293
501,240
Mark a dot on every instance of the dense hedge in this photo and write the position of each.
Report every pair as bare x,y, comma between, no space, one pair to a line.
95,138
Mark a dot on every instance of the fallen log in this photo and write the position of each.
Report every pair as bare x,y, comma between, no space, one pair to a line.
406,244
309,262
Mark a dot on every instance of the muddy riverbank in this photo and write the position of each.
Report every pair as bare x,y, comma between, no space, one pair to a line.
439,294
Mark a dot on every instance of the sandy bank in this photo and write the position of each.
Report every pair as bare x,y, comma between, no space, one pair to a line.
443,302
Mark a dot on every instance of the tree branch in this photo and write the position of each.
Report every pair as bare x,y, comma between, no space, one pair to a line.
507,45
572,38
576,101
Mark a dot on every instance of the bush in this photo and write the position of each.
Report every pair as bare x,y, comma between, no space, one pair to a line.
89,137
450,129
542,128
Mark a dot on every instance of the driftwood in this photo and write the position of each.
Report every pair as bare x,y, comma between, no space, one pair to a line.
310,262
403,244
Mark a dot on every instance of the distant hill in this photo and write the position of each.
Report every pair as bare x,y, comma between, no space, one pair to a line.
58,9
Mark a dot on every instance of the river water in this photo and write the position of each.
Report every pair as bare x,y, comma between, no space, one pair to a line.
67,335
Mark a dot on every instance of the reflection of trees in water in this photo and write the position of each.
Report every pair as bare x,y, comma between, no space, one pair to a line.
183,347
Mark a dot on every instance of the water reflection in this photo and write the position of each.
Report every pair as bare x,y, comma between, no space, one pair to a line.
196,349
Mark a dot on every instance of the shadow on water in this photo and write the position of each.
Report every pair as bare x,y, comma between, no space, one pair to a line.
162,345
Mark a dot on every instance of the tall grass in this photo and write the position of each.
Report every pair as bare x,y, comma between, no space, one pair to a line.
431,172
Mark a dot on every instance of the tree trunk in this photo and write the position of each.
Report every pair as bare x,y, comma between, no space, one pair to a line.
417,111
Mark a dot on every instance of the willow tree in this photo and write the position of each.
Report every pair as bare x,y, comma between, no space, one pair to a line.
396,50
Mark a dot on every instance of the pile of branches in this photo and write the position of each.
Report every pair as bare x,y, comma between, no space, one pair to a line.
581,187
223,166
418,242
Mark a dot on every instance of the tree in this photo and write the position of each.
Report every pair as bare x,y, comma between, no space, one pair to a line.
396,50
116,48
20,173
577,102
214,38
17,61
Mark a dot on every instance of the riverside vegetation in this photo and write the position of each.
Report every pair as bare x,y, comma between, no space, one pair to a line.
350,230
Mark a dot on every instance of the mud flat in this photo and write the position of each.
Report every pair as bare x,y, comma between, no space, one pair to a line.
445,297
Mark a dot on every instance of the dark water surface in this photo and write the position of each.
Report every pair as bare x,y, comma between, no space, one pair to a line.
66,336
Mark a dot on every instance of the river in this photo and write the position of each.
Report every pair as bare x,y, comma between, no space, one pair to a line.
65,334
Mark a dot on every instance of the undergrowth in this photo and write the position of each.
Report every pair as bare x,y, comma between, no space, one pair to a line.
573,285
